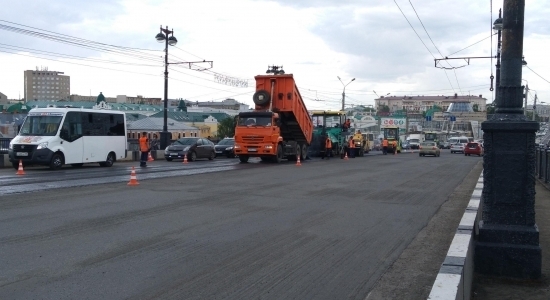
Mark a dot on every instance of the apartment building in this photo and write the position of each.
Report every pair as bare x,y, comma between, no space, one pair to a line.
424,103
46,85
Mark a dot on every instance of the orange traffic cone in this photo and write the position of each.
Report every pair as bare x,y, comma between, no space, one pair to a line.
20,169
133,178
185,159
149,157
346,156
298,163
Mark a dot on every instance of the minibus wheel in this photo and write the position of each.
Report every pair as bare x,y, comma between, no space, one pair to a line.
57,161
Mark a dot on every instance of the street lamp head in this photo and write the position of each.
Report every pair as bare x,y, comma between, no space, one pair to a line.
172,41
160,37
353,79
497,25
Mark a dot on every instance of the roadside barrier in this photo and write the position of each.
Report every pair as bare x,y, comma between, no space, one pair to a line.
133,178
20,169
455,277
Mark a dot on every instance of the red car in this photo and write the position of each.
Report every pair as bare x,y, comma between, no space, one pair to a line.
473,148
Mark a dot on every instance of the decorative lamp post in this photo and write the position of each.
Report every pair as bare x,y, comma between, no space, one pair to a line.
344,91
162,36
508,238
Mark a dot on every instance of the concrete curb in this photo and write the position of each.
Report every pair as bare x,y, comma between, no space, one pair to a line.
131,156
454,280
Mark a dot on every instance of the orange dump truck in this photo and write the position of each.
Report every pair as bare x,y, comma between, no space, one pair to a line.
279,127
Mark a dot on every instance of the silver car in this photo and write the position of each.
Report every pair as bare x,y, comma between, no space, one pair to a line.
457,147
429,148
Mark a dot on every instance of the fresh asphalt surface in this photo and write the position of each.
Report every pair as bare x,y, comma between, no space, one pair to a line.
217,229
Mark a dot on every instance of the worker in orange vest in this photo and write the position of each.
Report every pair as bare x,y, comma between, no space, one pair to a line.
347,125
351,147
385,146
328,149
144,147
394,143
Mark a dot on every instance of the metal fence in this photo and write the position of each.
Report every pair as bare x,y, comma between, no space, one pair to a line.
542,167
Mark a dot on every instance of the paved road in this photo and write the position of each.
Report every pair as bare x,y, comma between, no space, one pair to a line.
325,230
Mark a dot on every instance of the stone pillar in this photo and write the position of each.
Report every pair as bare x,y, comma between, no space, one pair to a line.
508,241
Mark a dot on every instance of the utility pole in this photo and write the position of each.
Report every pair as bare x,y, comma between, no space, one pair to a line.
526,96
534,108
499,45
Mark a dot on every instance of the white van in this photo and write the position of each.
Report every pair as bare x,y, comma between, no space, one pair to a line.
58,136
460,139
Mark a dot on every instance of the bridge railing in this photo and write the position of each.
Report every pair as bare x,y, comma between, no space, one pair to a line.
542,166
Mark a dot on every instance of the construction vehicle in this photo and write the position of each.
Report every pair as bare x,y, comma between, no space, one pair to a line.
279,126
415,138
391,133
329,123
431,136
361,143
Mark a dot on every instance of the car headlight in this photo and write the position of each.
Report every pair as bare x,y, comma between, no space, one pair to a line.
42,146
10,146
229,148
236,147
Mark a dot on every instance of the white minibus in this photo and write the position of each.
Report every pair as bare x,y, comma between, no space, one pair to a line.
74,136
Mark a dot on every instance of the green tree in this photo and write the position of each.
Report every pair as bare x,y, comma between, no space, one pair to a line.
475,107
384,108
182,106
226,128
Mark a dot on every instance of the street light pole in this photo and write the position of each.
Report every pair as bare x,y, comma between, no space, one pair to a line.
344,91
162,36
507,242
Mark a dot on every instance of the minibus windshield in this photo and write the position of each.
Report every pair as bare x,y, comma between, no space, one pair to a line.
40,125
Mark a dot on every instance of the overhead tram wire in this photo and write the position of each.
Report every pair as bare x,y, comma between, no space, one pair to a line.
425,30
80,64
85,40
68,56
82,43
537,74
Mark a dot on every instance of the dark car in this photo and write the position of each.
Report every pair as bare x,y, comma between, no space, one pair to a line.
192,147
225,148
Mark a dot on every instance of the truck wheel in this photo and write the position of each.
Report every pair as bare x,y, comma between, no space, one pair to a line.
261,97
243,158
279,156
298,152
303,155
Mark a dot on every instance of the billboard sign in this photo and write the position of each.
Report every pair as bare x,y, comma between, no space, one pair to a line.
399,122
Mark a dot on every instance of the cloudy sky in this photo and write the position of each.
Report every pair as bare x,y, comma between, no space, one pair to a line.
109,46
